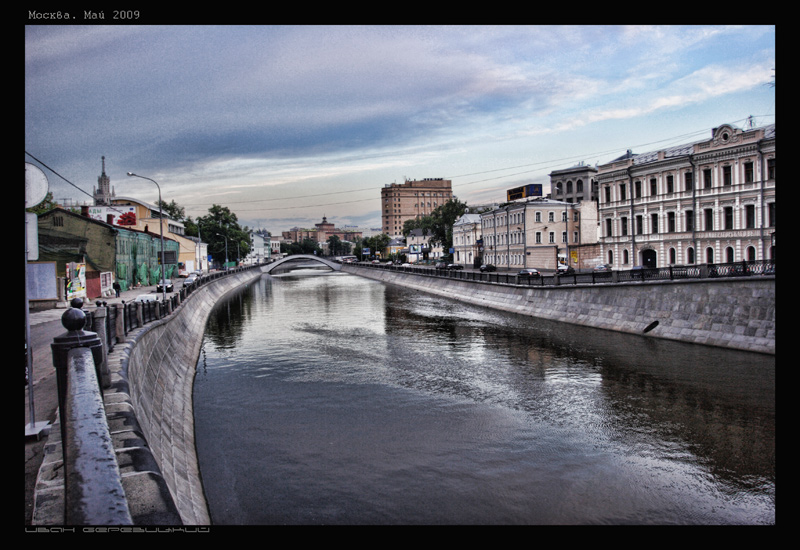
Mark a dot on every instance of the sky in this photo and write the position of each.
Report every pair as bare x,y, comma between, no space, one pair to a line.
287,124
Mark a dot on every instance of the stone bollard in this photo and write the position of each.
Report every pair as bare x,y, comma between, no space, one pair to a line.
99,316
74,319
120,319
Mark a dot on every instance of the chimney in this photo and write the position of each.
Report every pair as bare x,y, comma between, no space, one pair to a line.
85,210
110,219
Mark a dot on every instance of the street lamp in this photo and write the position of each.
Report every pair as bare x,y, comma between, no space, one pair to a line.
226,248
161,226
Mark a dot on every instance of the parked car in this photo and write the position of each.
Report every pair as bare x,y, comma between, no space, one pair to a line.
528,272
455,266
440,265
189,281
145,298
166,285
602,268
488,267
565,269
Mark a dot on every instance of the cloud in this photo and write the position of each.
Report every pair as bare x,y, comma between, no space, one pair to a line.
245,113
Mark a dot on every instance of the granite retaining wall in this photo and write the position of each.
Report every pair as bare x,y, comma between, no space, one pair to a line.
160,369
736,313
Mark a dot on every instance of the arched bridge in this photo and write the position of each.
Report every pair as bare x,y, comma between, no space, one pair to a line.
304,258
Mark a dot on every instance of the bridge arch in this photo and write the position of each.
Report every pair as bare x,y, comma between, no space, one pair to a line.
295,257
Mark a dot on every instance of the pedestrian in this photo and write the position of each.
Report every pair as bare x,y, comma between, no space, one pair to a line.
117,288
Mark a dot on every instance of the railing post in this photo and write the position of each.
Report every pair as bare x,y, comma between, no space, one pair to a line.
74,319
99,324
120,319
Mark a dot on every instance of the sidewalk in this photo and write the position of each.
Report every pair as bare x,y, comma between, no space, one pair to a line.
44,327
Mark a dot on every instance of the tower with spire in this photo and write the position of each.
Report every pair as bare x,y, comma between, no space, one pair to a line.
103,192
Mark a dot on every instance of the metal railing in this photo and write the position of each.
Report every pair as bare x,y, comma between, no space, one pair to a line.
669,273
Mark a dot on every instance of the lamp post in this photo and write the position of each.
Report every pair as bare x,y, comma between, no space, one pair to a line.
226,248
161,226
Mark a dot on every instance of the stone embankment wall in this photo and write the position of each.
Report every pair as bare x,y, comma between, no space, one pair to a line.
160,368
736,313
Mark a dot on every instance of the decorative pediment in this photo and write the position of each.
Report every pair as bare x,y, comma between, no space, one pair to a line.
726,135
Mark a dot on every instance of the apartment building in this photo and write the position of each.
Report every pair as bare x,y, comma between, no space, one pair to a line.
410,200
711,201
540,233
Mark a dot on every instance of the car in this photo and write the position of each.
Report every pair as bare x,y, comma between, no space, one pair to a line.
455,266
528,272
602,268
565,269
189,281
440,265
166,286
488,267
146,298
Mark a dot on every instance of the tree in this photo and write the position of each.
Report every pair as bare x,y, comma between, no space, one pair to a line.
334,245
438,225
173,210
45,206
221,226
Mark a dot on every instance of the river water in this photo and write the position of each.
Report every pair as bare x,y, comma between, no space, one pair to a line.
334,399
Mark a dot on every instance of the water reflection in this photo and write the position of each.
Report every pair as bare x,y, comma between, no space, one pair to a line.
362,400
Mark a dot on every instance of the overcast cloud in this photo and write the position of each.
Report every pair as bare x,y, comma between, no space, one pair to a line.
286,124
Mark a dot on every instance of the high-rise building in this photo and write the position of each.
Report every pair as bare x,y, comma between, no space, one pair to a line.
411,200
103,192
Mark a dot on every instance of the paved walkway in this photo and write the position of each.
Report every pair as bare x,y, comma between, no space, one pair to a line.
44,327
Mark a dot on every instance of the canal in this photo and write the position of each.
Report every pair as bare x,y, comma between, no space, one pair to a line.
327,399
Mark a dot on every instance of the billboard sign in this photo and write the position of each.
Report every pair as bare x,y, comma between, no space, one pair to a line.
530,190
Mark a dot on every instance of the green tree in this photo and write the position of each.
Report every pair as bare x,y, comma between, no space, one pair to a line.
172,209
334,245
219,226
45,206
438,225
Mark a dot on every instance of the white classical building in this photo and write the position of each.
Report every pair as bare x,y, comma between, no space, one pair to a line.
467,239
711,201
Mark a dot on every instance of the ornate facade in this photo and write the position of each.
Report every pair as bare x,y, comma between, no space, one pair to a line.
711,201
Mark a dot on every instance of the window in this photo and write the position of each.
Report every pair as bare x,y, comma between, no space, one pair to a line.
671,222
624,225
728,217
689,218
726,176
771,169
707,178
653,187
608,228
688,179
670,183
622,192
749,173
709,219
639,225
750,216
637,189
653,223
